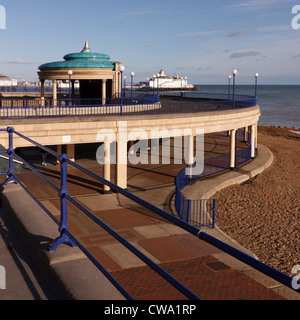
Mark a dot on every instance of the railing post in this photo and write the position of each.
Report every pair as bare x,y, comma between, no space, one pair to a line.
188,211
64,238
10,152
214,213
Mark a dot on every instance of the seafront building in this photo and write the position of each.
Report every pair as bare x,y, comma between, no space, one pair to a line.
163,81
7,81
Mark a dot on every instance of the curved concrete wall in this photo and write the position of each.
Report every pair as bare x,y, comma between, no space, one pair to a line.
84,130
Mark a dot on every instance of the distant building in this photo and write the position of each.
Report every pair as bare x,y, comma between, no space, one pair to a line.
7,81
164,81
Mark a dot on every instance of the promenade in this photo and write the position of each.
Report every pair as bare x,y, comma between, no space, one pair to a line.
208,272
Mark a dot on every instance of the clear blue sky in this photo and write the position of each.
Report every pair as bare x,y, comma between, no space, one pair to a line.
203,40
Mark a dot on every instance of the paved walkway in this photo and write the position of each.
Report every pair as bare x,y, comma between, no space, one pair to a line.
205,270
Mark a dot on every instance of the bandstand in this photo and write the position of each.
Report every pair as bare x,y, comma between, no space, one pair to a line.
99,78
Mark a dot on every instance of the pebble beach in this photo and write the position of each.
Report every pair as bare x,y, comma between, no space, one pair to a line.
263,214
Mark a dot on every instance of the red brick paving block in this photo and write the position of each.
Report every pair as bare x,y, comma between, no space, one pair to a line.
74,228
207,284
158,177
195,245
166,249
102,237
80,219
225,284
104,259
143,283
155,218
124,218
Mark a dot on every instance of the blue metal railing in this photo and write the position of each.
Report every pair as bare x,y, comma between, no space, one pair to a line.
131,105
67,237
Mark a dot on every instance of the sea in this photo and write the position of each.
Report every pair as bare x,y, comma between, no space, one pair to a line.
280,104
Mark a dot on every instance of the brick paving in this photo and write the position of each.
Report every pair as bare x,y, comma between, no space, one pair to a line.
188,259
199,276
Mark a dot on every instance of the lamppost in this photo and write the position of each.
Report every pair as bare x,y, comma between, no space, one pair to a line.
124,91
121,69
70,72
229,80
256,76
132,75
234,73
157,84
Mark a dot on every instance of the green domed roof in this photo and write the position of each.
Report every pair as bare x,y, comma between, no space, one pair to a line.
84,59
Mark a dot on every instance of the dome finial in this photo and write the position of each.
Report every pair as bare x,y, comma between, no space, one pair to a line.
86,47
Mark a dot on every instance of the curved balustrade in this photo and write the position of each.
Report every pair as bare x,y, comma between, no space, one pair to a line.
129,105
200,213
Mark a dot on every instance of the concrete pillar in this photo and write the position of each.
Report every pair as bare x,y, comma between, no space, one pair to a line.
121,153
106,165
71,151
54,93
256,135
42,93
43,89
190,154
103,92
232,148
245,134
130,147
253,141
122,164
58,150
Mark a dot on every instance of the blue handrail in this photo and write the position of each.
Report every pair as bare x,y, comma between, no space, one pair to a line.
66,236
143,105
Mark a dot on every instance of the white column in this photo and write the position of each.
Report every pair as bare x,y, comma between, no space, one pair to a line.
122,155
103,91
232,148
71,151
54,93
122,164
58,150
106,165
245,134
190,154
253,140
